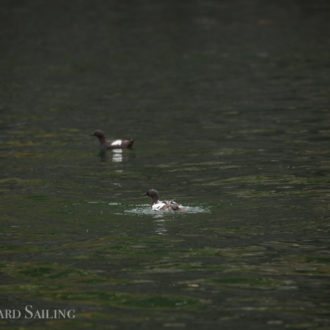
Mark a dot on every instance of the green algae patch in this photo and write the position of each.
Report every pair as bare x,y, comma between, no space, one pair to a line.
118,299
18,249
47,272
271,180
40,198
41,271
234,151
245,282
20,181
52,273
21,144
318,260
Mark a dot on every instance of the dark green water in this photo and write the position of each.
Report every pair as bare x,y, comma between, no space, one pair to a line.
228,102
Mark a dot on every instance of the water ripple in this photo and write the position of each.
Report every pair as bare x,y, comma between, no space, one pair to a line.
145,209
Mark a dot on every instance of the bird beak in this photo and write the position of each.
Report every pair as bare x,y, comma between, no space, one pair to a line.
92,134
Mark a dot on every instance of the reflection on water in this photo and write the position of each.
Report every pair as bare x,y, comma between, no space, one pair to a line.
160,225
117,155
162,217
114,155
103,155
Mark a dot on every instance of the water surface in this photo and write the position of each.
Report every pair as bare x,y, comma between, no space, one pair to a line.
228,103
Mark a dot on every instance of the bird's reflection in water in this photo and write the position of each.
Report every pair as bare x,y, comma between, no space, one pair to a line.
116,155
103,155
160,224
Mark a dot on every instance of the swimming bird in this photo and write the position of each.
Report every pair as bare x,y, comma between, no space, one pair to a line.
112,144
158,205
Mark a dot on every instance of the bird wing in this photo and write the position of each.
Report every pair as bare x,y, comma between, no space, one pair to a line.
173,205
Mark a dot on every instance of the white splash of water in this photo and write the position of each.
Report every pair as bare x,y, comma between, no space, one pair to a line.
145,209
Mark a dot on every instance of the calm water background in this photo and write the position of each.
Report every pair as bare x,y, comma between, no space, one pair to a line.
228,102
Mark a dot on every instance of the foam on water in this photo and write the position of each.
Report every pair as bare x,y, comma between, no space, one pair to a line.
103,202
145,209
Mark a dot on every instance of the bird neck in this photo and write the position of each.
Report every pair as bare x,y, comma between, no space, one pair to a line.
155,199
101,139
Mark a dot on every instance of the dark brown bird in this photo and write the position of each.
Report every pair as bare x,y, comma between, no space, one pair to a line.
112,144
158,205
